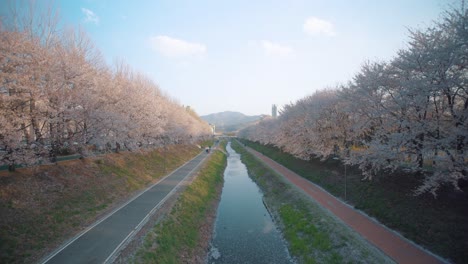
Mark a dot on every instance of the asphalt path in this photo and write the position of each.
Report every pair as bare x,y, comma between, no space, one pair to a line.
101,241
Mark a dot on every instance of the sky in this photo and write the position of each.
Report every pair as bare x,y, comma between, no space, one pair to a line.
246,55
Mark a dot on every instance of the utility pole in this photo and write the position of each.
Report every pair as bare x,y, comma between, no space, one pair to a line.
345,182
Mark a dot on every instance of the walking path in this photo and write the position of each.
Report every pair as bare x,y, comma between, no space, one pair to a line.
102,242
395,246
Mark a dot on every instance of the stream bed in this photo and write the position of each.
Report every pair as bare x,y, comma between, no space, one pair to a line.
244,231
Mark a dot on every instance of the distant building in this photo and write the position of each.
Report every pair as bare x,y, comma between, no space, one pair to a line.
274,111
213,128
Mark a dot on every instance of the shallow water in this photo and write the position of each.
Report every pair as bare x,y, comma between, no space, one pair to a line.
244,231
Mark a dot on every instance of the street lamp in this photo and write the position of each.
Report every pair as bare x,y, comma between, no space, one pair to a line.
164,159
345,179
345,182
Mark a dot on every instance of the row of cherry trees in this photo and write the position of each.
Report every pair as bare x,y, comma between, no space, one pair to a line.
410,112
57,95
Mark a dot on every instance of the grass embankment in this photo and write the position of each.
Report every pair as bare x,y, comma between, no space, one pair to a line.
43,206
313,235
439,224
178,237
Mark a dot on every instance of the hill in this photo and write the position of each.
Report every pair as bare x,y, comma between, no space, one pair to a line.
229,121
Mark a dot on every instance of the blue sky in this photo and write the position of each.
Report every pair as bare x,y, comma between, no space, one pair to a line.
246,55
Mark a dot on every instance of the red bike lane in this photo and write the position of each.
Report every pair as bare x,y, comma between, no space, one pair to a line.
393,245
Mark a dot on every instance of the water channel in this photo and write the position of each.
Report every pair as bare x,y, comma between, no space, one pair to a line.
244,231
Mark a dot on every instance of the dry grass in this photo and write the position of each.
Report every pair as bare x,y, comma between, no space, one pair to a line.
43,206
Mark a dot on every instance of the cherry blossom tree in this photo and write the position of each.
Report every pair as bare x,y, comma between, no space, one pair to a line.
58,96
409,113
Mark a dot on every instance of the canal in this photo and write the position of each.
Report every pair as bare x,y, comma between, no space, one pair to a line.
244,231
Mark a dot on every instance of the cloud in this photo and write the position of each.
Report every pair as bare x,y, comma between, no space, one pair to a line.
90,16
172,47
275,49
316,26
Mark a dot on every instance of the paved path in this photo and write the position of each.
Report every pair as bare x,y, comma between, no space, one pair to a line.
103,239
395,246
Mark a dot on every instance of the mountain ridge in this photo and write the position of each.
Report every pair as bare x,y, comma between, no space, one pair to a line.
230,121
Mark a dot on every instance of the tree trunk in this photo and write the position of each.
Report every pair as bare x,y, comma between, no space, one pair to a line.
419,148
35,127
117,147
26,133
53,144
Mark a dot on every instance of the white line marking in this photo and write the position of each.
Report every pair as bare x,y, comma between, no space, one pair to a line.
146,218
113,212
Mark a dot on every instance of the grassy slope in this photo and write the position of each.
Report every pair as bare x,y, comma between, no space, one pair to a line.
175,238
41,207
313,235
439,224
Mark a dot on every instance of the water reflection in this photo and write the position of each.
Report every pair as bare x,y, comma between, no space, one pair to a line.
244,232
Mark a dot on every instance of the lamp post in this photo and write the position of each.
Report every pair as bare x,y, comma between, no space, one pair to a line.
345,183
164,159
345,179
